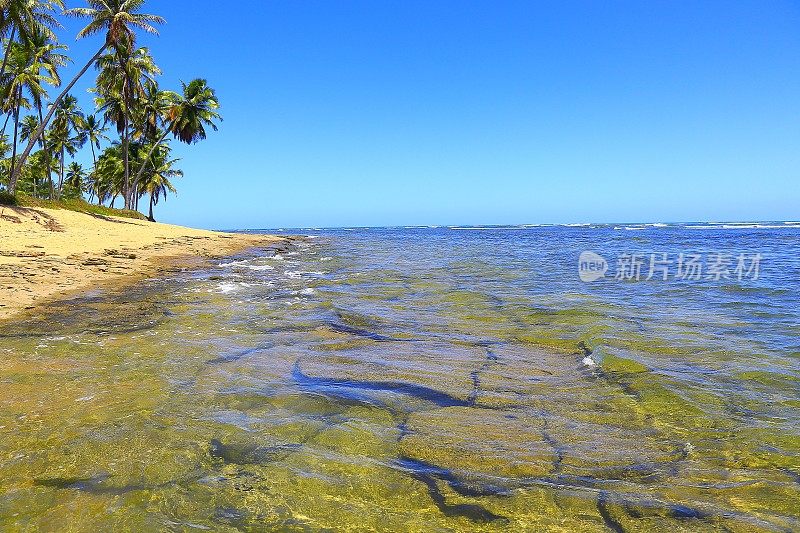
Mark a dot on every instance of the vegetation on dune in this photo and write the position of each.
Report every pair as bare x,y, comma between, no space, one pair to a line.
41,137
74,204
7,198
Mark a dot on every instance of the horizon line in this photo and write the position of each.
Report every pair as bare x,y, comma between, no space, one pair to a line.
788,223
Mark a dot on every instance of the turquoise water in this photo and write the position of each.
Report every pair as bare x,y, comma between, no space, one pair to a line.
417,379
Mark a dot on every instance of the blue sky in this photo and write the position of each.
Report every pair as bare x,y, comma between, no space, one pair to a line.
363,113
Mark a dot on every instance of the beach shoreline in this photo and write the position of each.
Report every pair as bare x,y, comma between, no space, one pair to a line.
48,255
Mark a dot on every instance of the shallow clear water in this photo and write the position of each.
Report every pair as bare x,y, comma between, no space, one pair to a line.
417,379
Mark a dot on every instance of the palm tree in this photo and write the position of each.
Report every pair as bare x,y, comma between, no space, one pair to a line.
44,49
157,181
75,177
27,126
26,17
25,76
187,117
108,175
122,76
67,133
197,110
116,18
94,131
151,108
45,54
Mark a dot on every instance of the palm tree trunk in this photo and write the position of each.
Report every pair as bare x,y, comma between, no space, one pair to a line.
147,159
126,99
16,129
150,217
8,51
12,186
47,161
8,117
61,174
126,190
5,64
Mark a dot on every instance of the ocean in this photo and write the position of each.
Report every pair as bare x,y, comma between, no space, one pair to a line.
585,377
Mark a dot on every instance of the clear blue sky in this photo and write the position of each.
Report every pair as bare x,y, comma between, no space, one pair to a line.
416,112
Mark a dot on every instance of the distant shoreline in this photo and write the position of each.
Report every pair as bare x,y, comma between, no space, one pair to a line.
50,254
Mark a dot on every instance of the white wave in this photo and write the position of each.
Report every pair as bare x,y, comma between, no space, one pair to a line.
297,274
326,258
308,291
739,226
234,263
245,263
475,228
225,288
752,226
261,267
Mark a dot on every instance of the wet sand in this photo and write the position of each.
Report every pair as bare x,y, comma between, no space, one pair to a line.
48,254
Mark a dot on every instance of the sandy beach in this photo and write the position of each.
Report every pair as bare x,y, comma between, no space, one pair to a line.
47,254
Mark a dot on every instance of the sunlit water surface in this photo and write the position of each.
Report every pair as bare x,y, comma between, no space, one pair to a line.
415,379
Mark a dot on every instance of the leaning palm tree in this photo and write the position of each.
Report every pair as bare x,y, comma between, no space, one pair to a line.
116,18
187,117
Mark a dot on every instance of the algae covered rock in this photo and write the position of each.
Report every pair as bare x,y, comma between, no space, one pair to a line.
457,439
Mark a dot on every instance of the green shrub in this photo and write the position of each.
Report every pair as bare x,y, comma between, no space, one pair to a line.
6,198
